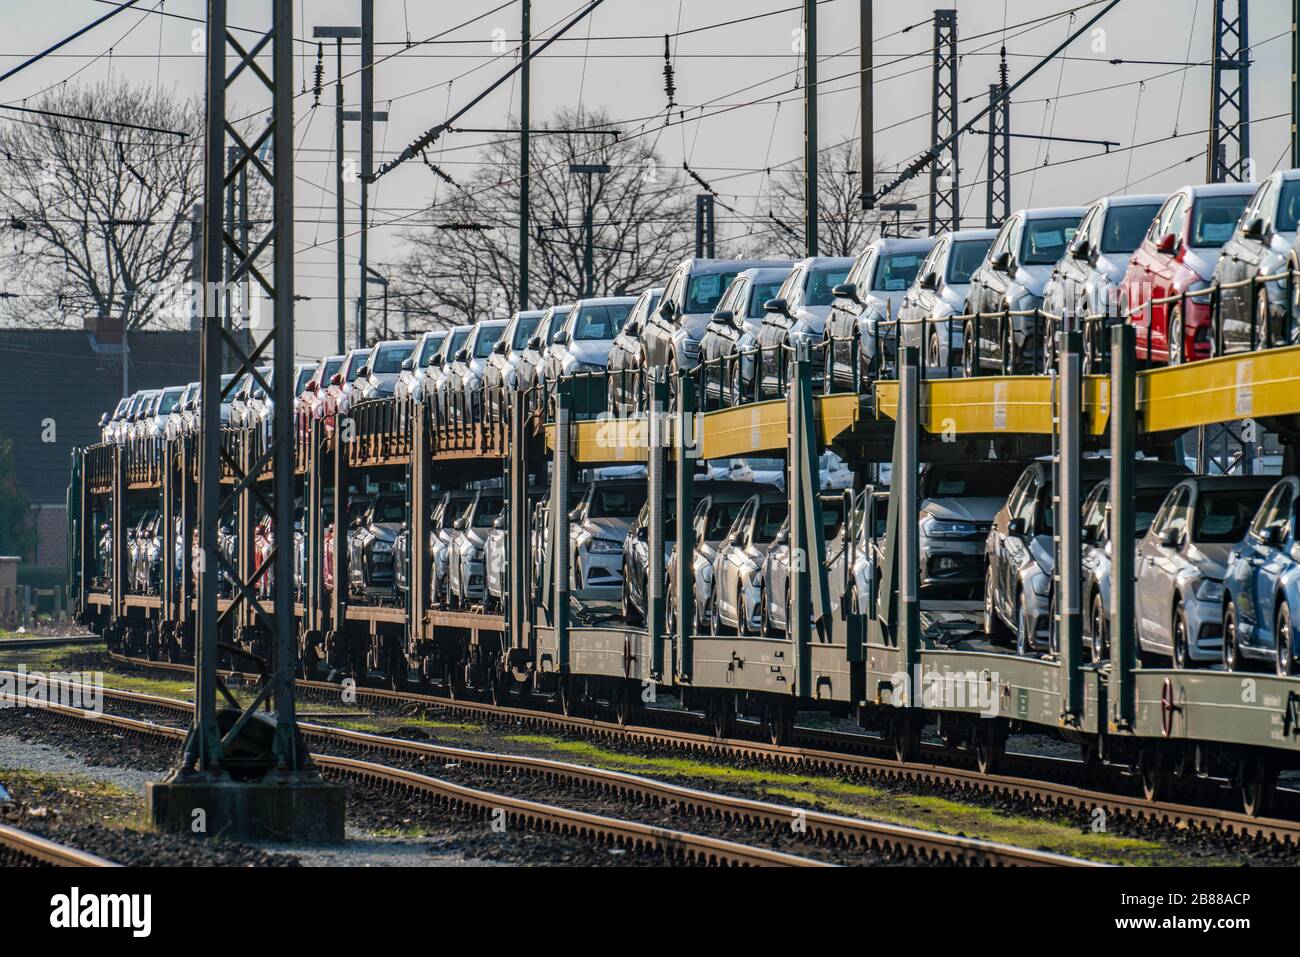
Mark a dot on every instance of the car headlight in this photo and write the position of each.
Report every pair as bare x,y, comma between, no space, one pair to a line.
605,546
573,366
1208,589
939,528
381,547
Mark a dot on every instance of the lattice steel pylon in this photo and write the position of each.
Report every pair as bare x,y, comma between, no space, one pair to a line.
206,748
1228,153
945,206
998,179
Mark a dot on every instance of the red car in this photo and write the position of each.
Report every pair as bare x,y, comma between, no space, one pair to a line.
263,543
308,405
1178,255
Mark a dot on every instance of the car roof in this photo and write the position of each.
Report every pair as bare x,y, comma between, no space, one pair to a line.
1141,199
1216,483
900,244
760,273
530,313
813,261
699,267
1197,190
606,300
965,235
388,344
1051,212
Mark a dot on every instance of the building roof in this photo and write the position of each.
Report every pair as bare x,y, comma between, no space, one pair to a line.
66,379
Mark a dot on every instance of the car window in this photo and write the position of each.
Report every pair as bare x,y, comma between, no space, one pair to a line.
821,280
760,294
1017,494
1266,510
862,268
487,338
1213,220
934,261
722,515
1145,505
1159,225
792,282
1045,240
1124,227
487,510
1223,516
524,330
390,360
742,517
600,321
622,501
771,515
1288,207
1094,510
965,258
704,291
1002,242
896,272
1028,502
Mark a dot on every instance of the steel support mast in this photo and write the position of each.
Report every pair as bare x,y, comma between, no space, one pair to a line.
1228,153
945,206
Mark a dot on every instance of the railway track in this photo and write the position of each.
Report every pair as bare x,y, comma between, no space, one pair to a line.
21,849
897,841
857,755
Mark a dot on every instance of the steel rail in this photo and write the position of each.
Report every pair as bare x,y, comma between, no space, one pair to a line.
819,825
22,849
831,753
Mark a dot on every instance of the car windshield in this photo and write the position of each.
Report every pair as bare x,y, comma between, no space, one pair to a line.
428,346
304,376
1288,207
457,340
1045,240
170,400
600,321
331,367
1125,227
760,293
964,258
357,362
487,510
819,283
1049,513
388,509
771,515
722,515
557,322
895,271
390,360
1223,516
1214,218
622,501
703,292
988,479
486,339
524,330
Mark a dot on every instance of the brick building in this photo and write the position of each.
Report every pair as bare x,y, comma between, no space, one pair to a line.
54,385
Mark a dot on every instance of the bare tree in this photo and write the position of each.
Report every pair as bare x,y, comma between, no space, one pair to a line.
99,215
844,228
464,255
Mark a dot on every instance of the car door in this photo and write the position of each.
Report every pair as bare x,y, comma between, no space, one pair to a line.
1274,562
918,303
731,559
987,291
1157,569
1139,284
1244,582
1072,273
1240,260
1015,548
772,336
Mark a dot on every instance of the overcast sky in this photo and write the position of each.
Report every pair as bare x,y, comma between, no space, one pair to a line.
740,78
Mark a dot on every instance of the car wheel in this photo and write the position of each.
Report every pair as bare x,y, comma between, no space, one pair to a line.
828,365
1182,657
1049,347
1285,650
970,363
1231,651
1008,350
764,615
1099,626
993,626
1024,630
1175,335
934,358
1263,313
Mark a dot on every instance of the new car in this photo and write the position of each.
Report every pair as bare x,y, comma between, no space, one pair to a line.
1263,243
671,337
583,342
733,331
496,555
1261,597
775,597
462,378
449,509
938,293
467,551
310,405
636,559
958,501
379,378
1151,485
370,546
866,303
1178,255
626,388
432,382
501,371
797,313
414,364
597,530
1086,280
737,590
530,357
336,395
1013,278
1181,563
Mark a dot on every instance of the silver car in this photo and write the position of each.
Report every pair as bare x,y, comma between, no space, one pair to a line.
798,312
939,293
1013,276
776,599
738,566
467,556
414,364
733,331
462,379
379,377
501,371
428,381
530,357
1181,561
583,342
597,530
1086,280
867,302
958,503
625,388
447,512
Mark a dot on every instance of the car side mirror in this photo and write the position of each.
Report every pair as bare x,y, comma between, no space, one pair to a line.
1254,228
462,355
1271,536
726,317
1001,262
575,515
1081,250
459,525
667,310
500,521
782,537
1168,243
633,328
408,364
1016,528
535,343
311,386
561,338
846,290
1171,538
777,307
499,348
103,420
643,534
929,281
336,378
435,360
363,372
